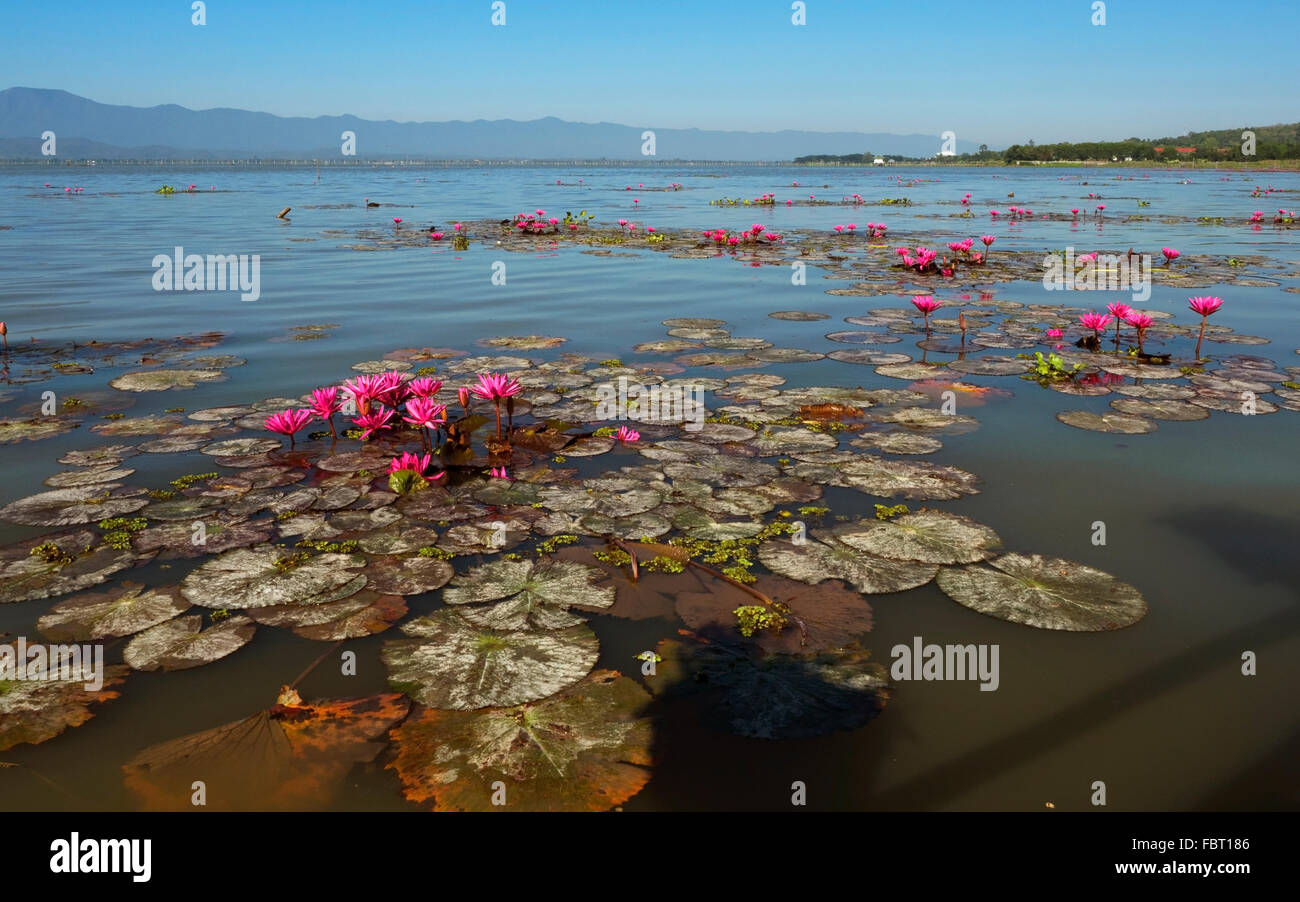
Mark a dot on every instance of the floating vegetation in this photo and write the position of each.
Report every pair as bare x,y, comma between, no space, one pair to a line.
1045,592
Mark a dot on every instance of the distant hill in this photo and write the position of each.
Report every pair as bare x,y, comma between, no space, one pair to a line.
102,131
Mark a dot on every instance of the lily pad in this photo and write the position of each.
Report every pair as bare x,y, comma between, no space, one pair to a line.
122,611
33,429
68,507
259,577
182,643
828,616
408,576
584,749
35,709
450,663
870,574
1106,422
363,614
1160,410
162,380
527,594
929,536
1045,592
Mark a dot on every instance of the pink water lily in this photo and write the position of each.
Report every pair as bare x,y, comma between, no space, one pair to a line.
1054,333
289,422
1097,322
499,473
496,387
325,403
627,435
373,421
397,220
926,305
424,387
1120,312
1206,306
1141,322
1170,255
413,462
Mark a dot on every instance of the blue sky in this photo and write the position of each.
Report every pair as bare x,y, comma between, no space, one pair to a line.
993,72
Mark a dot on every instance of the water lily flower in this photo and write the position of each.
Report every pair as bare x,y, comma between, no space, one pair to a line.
413,462
927,305
374,420
1074,210
496,387
462,395
425,413
4,333
627,435
499,473
1205,306
424,387
325,403
397,220
1097,322
1054,333
1170,255
289,422
436,236
1141,322
389,387
1120,312
362,390
988,242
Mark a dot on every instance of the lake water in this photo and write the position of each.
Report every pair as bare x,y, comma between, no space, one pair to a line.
1200,516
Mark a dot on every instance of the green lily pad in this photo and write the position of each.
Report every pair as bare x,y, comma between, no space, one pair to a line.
408,576
363,614
928,536
450,663
870,574
527,594
122,611
250,578
162,380
1045,592
68,507
34,429
1106,421
182,643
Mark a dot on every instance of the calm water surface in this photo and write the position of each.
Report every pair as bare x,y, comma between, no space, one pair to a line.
1201,516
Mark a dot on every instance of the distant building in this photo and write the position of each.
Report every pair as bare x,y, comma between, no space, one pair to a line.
878,161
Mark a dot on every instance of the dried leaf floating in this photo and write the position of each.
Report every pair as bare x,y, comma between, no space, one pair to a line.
163,380
290,758
1045,592
450,663
584,749
44,704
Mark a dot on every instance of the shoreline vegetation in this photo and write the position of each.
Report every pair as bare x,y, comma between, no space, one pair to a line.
1287,164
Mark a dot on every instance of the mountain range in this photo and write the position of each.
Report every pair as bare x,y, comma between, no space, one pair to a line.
87,129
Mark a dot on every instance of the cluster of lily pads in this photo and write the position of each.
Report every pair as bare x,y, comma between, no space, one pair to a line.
494,679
